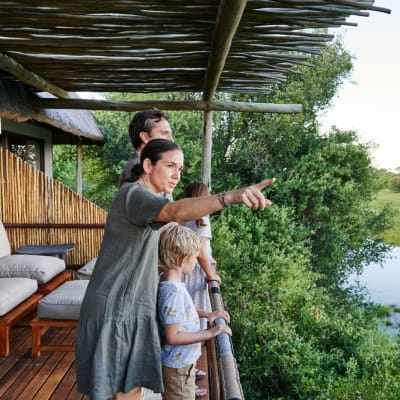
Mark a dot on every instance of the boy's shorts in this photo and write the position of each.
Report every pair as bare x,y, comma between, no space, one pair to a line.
179,383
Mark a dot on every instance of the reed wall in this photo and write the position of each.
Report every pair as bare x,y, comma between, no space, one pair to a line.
36,209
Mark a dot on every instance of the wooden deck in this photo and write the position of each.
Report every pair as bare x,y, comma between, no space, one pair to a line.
50,376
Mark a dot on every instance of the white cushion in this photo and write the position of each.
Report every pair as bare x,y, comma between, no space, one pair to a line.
14,291
5,249
64,302
41,268
86,271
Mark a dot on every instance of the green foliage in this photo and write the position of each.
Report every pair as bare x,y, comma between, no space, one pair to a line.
64,165
395,183
98,180
384,177
388,202
187,130
374,376
382,311
292,340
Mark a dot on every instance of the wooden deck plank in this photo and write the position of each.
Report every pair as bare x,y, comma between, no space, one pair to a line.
17,366
50,376
74,395
13,373
37,383
24,378
53,380
56,379
20,342
66,385
34,378
27,384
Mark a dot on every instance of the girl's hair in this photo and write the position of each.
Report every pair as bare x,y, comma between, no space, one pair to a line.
153,151
196,189
176,242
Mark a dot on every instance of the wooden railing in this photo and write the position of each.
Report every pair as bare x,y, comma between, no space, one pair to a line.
36,209
223,372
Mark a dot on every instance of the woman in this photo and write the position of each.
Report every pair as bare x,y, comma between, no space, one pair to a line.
117,342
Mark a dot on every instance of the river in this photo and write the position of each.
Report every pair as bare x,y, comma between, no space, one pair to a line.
382,283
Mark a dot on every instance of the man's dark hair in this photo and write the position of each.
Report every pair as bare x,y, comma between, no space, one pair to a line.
143,121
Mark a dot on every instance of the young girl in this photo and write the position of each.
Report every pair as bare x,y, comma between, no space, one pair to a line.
205,269
196,282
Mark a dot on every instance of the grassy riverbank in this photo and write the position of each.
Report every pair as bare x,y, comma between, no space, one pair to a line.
385,197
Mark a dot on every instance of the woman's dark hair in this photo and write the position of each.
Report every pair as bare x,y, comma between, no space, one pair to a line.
153,151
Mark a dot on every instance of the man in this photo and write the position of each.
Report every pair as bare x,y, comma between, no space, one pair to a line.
145,126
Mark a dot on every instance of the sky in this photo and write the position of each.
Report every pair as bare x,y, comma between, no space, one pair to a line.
369,102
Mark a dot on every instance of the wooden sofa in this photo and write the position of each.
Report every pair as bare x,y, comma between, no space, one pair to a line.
24,280
18,301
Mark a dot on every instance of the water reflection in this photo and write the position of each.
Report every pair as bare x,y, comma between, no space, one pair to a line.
382,282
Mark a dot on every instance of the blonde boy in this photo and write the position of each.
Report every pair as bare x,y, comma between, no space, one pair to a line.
181,336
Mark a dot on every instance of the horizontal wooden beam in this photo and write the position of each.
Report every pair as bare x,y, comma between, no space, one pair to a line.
53,226
190,105
14,68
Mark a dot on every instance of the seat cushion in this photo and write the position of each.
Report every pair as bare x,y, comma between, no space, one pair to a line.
13,291
41,268
86,271
64,302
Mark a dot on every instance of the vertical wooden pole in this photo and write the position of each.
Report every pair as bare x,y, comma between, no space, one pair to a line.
4,148
79,168
207,149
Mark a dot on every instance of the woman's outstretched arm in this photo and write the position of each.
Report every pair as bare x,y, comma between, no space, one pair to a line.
196,207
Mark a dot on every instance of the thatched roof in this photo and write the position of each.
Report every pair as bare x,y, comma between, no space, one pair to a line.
164,45
16,104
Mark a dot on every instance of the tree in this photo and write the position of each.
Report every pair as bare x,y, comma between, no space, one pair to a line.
395,183
327,180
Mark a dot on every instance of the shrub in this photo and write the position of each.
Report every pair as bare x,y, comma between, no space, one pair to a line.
395,183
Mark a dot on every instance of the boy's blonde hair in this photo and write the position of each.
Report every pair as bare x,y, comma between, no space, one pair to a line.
176,242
